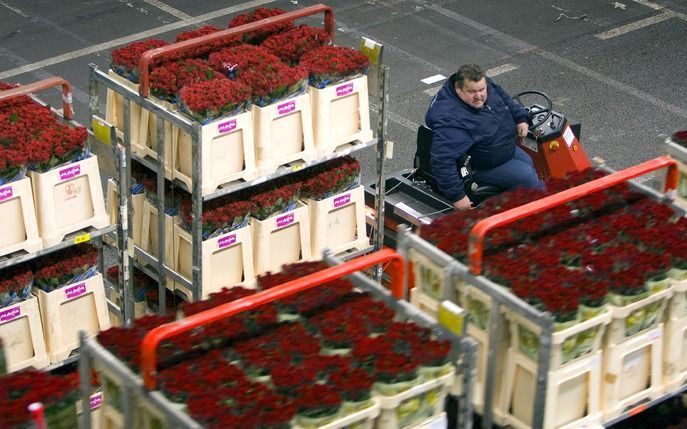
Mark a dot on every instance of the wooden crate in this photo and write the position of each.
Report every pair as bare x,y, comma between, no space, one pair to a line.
79,306
415,405
114,112
20,226
22,336
281,239
283,133
632,372
68,199
136,206
633,319
675,354
227,153
567,345
337,223
341,114
573,393
227,260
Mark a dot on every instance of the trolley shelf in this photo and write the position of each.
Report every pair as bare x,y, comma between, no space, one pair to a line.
77,237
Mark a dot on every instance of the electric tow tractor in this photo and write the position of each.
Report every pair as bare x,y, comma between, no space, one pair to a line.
412,198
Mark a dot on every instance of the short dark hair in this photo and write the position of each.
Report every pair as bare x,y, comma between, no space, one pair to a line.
471,72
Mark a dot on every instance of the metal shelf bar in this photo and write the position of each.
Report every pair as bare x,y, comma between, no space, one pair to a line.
77,237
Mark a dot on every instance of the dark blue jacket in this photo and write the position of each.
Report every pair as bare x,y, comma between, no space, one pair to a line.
488,134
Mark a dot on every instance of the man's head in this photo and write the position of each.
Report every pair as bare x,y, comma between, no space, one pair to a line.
471,85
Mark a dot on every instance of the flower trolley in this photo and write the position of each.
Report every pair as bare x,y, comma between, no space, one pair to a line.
133,401
589,370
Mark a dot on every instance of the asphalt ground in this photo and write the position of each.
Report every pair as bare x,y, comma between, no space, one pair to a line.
619,68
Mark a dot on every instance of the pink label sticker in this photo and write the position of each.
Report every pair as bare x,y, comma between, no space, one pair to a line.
342,200
226,126
287,107
285,220
10,314
344,89
226,241
6,193
75,291
70,172
96,400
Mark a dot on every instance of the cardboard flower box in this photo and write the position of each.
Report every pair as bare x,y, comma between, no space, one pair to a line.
338,222
227,260
341,114
22,337
227,153
79,306
281,239
20,226
68,199
283,133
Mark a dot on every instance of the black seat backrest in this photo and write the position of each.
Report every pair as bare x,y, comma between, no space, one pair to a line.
423,153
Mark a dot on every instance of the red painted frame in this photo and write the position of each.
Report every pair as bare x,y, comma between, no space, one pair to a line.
148,56
67,107
481,228
155,336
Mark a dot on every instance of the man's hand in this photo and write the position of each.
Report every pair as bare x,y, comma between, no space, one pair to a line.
521,129
463,204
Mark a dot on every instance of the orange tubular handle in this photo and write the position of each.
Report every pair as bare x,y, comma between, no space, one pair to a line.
155,336
67,109
148,56
479,231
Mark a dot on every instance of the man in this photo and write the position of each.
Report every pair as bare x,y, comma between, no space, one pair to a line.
471,114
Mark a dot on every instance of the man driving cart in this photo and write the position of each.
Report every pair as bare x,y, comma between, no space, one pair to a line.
471,115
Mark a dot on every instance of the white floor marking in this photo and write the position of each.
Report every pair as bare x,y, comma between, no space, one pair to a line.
495,71
642,23
131,38
433,79
169,9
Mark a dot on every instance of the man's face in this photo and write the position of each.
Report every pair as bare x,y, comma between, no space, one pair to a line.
473,93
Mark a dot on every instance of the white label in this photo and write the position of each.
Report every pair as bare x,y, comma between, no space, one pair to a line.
529,144
655,335
440,422
433,79
568,136
634,359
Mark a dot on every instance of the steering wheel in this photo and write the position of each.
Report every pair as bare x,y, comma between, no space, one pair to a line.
547,110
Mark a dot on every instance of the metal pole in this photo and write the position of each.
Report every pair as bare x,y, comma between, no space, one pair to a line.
197,208
125,213
85,380
382,122
544,360
161,171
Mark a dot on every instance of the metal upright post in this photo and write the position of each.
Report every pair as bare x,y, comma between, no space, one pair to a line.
85,381
490,378
125,213
161,236
197,208
382,122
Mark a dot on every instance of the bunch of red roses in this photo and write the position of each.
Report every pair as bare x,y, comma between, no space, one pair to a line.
290,45
275,197
57,144
168,79
234,60
219,216
257,36
328,65
212,99
15,285
330,178
204,50
57,393
125,59
271,82
64,267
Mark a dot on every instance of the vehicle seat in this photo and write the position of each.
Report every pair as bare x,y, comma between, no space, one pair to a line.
423,169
